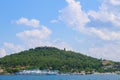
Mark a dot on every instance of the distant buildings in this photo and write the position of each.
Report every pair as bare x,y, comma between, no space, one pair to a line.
105,62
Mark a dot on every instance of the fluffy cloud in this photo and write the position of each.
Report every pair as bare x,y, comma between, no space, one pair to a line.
105,34
34,34
108,12
2,52
40,37
35,37
33,22
73,15
41,33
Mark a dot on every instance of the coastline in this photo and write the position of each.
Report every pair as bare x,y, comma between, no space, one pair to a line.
60,73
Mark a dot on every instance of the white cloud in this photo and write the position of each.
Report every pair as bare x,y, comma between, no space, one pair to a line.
105,34
33,22
36,37
108,12
39,37
73,15
2,52
115,2
11,48
108,51
34,34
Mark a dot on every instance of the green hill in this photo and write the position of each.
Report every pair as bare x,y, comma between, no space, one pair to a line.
50,58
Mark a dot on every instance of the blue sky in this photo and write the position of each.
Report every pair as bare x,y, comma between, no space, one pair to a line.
91,27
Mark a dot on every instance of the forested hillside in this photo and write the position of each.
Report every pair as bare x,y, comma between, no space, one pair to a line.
50,58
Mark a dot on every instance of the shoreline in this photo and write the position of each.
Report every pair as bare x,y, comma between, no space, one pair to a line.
96,73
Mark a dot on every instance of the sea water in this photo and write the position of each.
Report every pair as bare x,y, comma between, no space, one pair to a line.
61,77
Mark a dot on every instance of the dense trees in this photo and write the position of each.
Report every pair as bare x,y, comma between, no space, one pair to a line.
50,58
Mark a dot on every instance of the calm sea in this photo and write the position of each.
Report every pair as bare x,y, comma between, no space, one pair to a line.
61,77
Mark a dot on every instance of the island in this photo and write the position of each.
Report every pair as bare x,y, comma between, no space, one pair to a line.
51,59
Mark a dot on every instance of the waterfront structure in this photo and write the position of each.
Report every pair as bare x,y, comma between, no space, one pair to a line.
37,72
